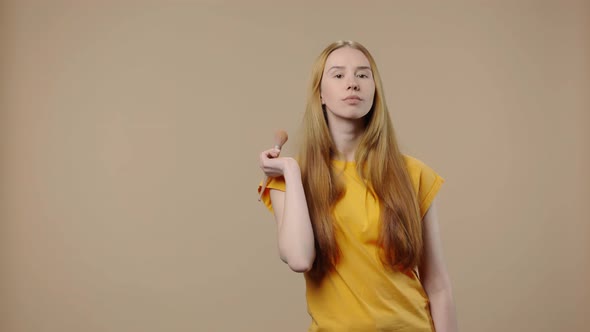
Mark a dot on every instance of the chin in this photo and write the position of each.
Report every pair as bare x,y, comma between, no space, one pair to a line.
350,113
357,114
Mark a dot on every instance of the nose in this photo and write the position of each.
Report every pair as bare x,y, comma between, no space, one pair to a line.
352,85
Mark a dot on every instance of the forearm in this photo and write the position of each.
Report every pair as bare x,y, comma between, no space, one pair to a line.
442,308
295,233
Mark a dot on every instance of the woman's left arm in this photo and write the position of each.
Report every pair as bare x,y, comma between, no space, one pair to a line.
435,277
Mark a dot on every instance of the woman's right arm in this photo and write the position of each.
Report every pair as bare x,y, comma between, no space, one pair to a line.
294,231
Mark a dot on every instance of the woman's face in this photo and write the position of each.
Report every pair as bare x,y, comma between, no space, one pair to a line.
347,88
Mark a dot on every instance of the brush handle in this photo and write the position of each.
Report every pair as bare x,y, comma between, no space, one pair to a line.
265,181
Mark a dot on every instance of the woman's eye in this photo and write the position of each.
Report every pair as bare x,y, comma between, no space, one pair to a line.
338,75
363,75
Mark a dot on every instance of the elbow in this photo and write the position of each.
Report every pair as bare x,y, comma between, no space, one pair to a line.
298,264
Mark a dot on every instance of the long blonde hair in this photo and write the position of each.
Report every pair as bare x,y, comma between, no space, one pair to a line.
401,231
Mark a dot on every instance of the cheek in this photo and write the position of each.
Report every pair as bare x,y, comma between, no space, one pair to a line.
327,93
371,88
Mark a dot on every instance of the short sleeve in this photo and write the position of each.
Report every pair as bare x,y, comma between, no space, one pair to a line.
273,183
426,182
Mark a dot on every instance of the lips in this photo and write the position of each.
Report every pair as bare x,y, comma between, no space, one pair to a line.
353,98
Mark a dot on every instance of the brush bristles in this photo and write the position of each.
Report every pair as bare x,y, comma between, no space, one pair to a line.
280,138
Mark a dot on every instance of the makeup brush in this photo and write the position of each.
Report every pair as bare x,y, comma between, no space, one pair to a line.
279,140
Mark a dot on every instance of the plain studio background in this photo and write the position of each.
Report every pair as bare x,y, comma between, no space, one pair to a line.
130,134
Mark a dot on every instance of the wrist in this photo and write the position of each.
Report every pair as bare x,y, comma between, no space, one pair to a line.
291,169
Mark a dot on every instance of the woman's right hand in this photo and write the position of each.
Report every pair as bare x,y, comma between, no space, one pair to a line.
272,165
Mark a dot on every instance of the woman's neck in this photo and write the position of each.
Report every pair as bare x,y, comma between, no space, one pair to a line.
346,136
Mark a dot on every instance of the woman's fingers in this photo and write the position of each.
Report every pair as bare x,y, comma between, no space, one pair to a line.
269,154
273,153
270,164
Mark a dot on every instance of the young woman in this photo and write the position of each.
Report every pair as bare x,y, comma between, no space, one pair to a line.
354,214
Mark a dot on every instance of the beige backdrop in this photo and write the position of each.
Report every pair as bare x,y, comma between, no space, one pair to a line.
130,133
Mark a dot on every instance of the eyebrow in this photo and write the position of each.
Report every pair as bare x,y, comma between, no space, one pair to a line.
342,67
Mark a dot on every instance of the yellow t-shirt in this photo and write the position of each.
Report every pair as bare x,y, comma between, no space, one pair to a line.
361,294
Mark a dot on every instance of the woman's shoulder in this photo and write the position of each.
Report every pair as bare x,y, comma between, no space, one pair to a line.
420,172
425,180
413,163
